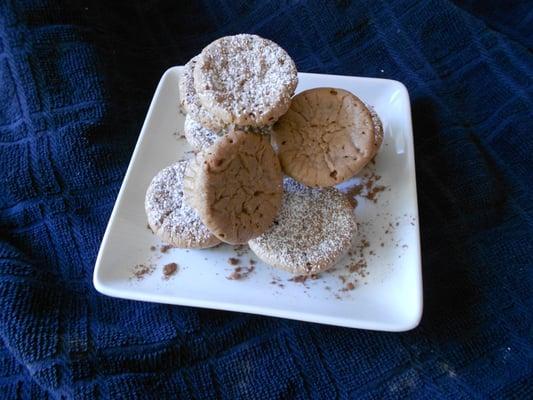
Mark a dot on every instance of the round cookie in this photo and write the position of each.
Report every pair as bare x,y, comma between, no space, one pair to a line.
199,138
190,102
325,138
313,230
169,217
245,80
236,186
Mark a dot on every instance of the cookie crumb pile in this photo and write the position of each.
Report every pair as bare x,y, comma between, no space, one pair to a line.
248,130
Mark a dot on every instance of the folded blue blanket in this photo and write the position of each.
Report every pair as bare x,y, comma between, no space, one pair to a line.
75,83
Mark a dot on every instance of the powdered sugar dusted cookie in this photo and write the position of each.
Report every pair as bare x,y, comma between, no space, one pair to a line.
325,138
313,230
190,102
236,186
169,217
378,129
199,138
245,80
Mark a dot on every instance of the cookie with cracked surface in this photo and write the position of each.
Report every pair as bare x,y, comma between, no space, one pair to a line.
325,138
236,186
313,230
245,80
197,136
169,217
190,102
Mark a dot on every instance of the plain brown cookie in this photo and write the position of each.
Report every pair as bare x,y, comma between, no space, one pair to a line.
325,138
236,186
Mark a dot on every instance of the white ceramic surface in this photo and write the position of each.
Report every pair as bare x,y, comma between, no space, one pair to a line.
386,296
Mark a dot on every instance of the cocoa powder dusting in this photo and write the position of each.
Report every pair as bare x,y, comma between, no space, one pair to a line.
140,271
299,278
367,189
276,280
358,267
240,250
240,273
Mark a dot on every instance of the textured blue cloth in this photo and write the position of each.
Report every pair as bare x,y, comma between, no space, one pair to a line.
75,83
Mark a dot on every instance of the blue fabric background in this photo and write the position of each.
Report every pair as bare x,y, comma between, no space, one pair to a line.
76,80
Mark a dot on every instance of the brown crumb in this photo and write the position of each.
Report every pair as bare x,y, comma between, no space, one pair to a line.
349,286
367,189
140,271
299,278
240,273
352,193
165,248
152,248
233,261
148,227
382,244
358,267
342,278
252,262
373,193
169,270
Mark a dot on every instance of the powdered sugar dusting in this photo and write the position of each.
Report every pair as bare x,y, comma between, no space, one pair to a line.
199,138
378,126
169,214
191,103
313,229
245,79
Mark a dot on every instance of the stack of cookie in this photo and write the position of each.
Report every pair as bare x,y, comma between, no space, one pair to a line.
238,97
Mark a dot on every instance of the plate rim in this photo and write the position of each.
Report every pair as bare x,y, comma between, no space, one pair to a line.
409,324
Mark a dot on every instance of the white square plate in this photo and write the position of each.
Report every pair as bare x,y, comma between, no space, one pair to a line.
386,296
